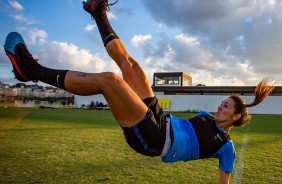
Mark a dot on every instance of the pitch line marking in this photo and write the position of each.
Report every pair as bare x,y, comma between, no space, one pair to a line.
239,168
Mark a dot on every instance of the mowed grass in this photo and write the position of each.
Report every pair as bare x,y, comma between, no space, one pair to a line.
86,146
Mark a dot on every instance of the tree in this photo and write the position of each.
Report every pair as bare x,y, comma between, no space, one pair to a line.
200,85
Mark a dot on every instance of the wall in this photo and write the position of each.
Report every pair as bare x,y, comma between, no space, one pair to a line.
271,105
86,100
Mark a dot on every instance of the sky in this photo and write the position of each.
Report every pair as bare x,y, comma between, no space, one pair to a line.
218,43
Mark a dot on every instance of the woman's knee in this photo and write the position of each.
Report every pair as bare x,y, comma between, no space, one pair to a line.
111,78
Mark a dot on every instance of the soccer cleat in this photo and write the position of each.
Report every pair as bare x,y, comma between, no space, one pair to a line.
19,56
95,6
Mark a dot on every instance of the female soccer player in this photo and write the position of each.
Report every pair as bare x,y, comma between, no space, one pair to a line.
147,129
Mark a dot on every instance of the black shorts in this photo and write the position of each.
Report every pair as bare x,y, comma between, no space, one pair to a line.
148,137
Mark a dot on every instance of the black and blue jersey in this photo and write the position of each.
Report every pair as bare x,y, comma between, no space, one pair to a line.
198,138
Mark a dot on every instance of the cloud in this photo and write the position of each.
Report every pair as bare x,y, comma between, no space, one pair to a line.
16,5
37,34
234,40
89,27
24,20
3,56
186,54
111,16
62,55
138,40
19,18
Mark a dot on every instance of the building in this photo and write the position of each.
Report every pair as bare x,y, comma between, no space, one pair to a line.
22,91
7,95
172,79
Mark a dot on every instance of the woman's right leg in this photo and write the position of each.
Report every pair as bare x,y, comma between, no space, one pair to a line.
126,106
144,130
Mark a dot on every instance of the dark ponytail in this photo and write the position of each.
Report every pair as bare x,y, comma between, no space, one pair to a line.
263,89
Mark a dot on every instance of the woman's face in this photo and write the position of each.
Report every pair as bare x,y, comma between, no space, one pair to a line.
225,112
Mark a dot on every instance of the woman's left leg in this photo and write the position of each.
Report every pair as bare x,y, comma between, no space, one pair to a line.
132,72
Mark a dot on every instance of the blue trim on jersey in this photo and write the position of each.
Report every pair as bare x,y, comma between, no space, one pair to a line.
226,156
204,113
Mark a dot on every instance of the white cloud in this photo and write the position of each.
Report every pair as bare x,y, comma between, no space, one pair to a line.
62,55
138,40
89,27
37,34
24,20
19,18
111,16
16,5
187,40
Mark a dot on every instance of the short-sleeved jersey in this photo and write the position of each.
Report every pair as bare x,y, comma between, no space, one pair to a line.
186,146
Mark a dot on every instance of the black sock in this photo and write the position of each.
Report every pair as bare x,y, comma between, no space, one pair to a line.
49,76
106,31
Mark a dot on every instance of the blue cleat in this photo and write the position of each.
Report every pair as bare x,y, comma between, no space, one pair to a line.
19,56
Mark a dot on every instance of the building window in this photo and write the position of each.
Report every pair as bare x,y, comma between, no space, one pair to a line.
167,80
159,81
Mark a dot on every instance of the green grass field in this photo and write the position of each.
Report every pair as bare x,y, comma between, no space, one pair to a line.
86,146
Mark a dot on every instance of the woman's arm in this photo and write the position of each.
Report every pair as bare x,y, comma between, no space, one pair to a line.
224,177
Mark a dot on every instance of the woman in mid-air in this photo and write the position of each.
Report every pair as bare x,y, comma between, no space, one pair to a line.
147,129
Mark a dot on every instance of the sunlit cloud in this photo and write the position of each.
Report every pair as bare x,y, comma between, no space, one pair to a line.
37,34
24,20
16,5
89,27
138,40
